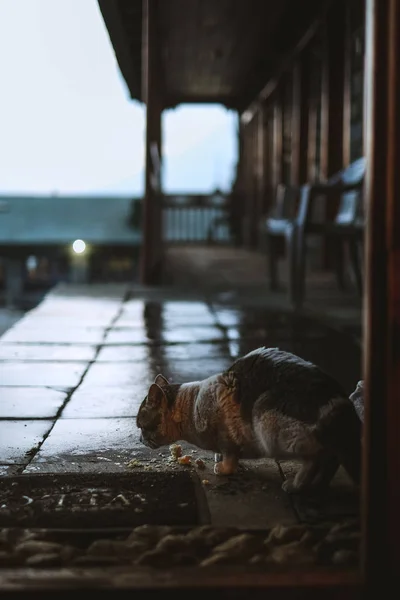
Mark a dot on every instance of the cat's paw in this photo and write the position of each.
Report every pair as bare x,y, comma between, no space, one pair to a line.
289,487
224,468
217,457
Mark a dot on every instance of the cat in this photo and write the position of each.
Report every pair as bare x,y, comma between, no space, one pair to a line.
269,403
357,398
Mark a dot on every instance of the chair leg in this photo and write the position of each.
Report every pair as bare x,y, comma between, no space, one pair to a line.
272,263
356,264
339,263
296,256
301,269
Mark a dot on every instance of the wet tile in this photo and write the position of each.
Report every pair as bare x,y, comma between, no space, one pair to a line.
105,402
134,308
124,354
184,371
53,335
194,351
19,437
59,375
127,336
119,375
29,402
181,335
71,439
47,352
127,321
178,307
38,318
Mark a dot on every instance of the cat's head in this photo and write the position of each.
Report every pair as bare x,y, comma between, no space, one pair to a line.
155,418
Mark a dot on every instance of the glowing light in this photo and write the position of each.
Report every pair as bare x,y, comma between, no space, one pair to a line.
79,246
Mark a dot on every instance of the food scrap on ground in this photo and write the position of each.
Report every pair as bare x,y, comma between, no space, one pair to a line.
185,460
200,464
176,451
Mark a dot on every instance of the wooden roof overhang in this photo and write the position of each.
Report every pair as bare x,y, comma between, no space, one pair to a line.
212,51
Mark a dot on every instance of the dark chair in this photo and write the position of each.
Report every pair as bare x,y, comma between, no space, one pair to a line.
279,227
347,227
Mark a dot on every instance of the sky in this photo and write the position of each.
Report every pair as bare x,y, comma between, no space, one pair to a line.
67,124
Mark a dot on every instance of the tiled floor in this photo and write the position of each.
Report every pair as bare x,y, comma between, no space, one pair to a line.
75,369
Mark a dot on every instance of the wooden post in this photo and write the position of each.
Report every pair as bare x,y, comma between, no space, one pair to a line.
300,114
277,141
152,252
333,90
381,484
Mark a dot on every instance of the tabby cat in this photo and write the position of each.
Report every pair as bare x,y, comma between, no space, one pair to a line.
269,403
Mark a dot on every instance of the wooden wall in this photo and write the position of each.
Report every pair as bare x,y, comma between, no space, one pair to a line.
307,124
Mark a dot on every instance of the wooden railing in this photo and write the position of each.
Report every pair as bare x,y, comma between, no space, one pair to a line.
196,219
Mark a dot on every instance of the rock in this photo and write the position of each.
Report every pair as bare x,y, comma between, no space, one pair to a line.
31,547
208,536
155,558
243,545
280,534
351,525
44,560
151,533
334,542
348,541
258,559
116,548
219,558
135,548
97,561
314,535
294,553
68,553
172,543
345,557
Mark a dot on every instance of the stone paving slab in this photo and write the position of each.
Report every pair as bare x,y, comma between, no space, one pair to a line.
42,334
138,336
136,354
169,336
183,371
47,352
163,353
119,374
90,402
30,403
59,375
117,439
17,438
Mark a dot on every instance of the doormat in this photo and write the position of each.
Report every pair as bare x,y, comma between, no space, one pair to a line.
102,501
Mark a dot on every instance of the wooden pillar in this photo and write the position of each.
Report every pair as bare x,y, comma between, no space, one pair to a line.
300,128
381,485
333,90
277,141
152,247
333,79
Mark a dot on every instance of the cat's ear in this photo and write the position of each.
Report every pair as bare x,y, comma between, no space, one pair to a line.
161,380
155,396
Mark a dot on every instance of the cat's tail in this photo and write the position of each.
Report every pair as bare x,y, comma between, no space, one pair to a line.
339,430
